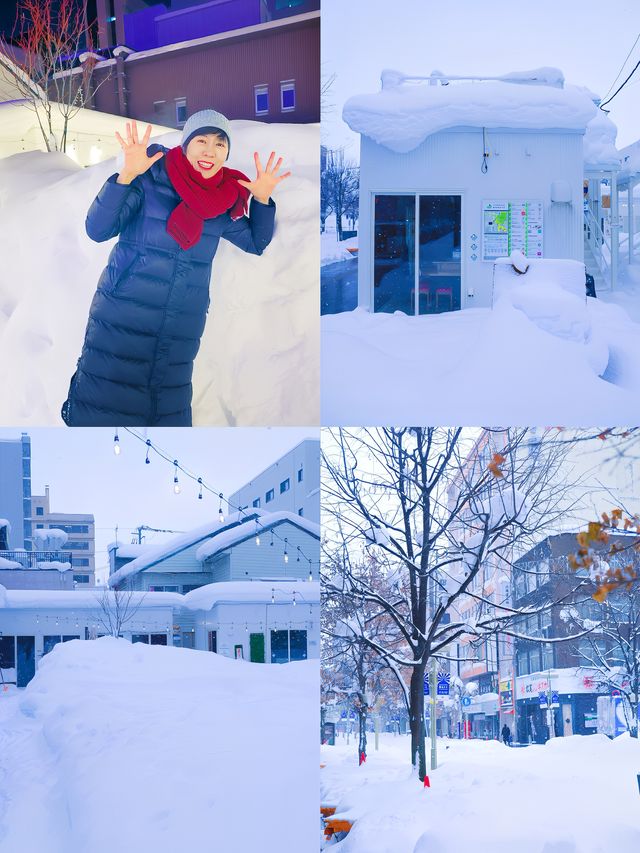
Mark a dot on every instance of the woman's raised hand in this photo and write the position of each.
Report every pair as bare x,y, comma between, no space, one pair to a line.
266,180
136,161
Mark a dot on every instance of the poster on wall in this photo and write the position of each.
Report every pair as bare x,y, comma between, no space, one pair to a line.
511,225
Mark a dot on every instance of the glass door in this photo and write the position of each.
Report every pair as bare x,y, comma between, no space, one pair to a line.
417,265
439,252
394,253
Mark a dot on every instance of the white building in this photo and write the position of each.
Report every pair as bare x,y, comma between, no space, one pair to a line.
80,530
292,484
457,172
263,622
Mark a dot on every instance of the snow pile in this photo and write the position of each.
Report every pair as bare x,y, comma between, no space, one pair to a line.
55,564
9,564
49,538
481,796
404,113
258,362
138,748
599,143
544,354
333,250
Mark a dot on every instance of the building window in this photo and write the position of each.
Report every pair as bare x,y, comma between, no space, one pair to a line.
213,641
158,107
256,503
81,561
284,486
301,511
269,496
81,578
261,98
39,526
39,510
300,474
288,96
181,111
238,652
163,589
288,645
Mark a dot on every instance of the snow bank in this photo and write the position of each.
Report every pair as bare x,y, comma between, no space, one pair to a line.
404,113
481,797
599,143
537,357
258,363
148,748
333,250
9,564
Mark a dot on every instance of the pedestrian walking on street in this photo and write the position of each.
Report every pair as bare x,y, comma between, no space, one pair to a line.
170,207
506,735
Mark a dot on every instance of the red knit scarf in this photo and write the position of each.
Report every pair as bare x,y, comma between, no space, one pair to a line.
202,198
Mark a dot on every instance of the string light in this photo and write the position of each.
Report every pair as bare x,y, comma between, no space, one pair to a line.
202,486
298,560
310,572
286,555
116,444
294,598
220,513
273,597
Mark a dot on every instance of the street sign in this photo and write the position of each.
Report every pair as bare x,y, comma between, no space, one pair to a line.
426,685
443,684
544,699
555,700
466,701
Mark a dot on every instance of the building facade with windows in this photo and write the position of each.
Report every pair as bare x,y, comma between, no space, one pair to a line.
258,621
15,490
166,64
80,529
292,484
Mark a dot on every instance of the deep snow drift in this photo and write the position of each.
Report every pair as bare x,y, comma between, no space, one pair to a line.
538,356
573,795
259,359
131,748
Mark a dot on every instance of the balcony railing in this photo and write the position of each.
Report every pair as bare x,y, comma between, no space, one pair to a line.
30,559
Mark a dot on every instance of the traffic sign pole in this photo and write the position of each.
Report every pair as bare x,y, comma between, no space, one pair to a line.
432,689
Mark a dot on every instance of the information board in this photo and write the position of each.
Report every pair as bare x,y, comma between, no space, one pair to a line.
510,225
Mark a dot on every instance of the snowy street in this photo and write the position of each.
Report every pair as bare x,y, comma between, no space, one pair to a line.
115,746
573,795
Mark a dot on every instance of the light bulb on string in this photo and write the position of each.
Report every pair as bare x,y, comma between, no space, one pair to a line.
176,484
294,598
286,555
116,444
220,513
146,459
273,597
200,492
257,534
271,543
298,560
310,572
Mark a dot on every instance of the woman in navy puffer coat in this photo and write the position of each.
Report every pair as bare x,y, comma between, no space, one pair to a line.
149,311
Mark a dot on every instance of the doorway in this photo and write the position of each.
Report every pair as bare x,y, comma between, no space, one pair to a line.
417,257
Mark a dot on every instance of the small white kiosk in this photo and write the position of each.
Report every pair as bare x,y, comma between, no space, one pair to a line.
457,172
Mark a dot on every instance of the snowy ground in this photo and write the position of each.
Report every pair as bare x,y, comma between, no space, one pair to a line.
573,795
521,362
259,359
135,748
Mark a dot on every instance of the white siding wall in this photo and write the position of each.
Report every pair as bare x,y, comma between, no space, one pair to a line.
250,561
521,165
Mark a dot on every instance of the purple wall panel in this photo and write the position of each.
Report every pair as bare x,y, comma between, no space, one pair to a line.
140,28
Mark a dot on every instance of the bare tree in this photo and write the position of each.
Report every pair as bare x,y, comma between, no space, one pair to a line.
117,607
339,187
439,513
49,38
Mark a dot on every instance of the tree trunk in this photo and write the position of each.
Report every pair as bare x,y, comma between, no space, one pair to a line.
416,721
362,732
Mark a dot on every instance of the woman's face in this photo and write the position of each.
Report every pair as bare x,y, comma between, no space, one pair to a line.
207,153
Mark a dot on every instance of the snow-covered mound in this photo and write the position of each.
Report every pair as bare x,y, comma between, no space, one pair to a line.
406,111
147,748
599,143
481,797
259,359
332,249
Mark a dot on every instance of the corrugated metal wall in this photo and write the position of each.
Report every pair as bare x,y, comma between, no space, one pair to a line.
521,164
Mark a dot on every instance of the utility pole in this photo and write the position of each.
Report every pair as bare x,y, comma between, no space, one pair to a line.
432,691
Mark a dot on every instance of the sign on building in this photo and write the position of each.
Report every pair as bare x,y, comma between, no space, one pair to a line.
511,225
443,684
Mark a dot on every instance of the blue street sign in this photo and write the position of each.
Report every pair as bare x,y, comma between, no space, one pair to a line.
443,683
426,685
555,698
466,701
544,700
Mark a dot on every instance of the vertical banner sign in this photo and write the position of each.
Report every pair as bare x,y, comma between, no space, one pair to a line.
510,225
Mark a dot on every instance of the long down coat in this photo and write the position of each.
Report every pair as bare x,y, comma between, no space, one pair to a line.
149,311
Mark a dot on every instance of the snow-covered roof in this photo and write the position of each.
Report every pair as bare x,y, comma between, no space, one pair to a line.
155,554
599,144
129,550
252,592
407,109
238,534
630,160
204,598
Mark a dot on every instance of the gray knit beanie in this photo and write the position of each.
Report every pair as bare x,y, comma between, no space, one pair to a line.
206,121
